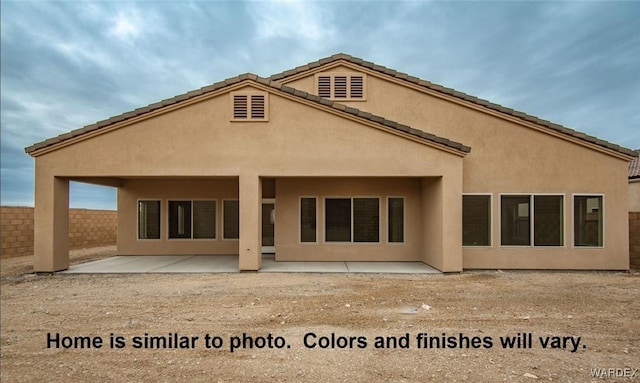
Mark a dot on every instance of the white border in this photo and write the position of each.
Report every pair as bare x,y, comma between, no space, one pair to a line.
573,231
352,242
491,221
532,220
215,238
138,219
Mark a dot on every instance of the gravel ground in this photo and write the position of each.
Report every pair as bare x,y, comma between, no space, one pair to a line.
316,327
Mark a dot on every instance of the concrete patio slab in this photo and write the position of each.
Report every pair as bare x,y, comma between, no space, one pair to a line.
229,264
391,267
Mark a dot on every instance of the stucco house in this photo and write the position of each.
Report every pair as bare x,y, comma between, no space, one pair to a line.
343,159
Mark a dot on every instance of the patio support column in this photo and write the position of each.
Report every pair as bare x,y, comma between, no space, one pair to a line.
442,220
51,223
250,249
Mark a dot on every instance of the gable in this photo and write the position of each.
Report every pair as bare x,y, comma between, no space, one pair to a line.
301,137
302,77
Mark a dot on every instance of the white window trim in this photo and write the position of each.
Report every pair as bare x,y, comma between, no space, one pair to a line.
491,221
222,220
249,118
573,229
138,219
332,75
532,220
300,220
352,242
215,238
404,221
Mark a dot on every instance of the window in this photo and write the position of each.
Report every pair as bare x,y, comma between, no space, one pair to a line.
149,219
515,224
341,86
588,214
548,220
204,219
308,220
356,219
476,220
231,219
337,219
179,219
249,106
396,219
366,220
192,219
527,216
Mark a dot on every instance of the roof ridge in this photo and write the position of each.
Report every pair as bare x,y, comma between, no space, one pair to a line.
235,80
461,95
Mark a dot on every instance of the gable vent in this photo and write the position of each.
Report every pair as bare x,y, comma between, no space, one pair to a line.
241,107
257,106
250,105
340,87
324,86
356,90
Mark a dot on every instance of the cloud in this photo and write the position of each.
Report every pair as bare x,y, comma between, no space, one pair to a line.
292,19
126,25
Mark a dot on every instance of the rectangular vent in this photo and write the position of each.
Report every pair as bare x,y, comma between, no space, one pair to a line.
356,90
257,106
340,87
324,86
240,106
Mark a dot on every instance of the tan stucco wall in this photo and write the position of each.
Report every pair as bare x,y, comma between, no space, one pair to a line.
289,191
165,190
634,195
508,157
200,140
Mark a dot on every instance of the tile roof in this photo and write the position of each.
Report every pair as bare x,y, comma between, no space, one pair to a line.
634,166
452,92
234,80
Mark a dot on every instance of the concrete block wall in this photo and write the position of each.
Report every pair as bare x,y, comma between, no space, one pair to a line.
16,231
87,228
634,240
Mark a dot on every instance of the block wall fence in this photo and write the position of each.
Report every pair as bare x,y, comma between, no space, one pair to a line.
634,240
87,228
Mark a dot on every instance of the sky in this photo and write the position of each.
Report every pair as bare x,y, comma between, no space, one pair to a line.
67,64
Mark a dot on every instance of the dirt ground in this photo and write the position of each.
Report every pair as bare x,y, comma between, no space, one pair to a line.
317,327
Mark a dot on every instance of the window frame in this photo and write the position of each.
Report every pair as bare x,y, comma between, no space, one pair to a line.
300,221
352,242
349,75
249,94
573,231
160,230
168,228
532,220
491,222
222,223
404,220
215,233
